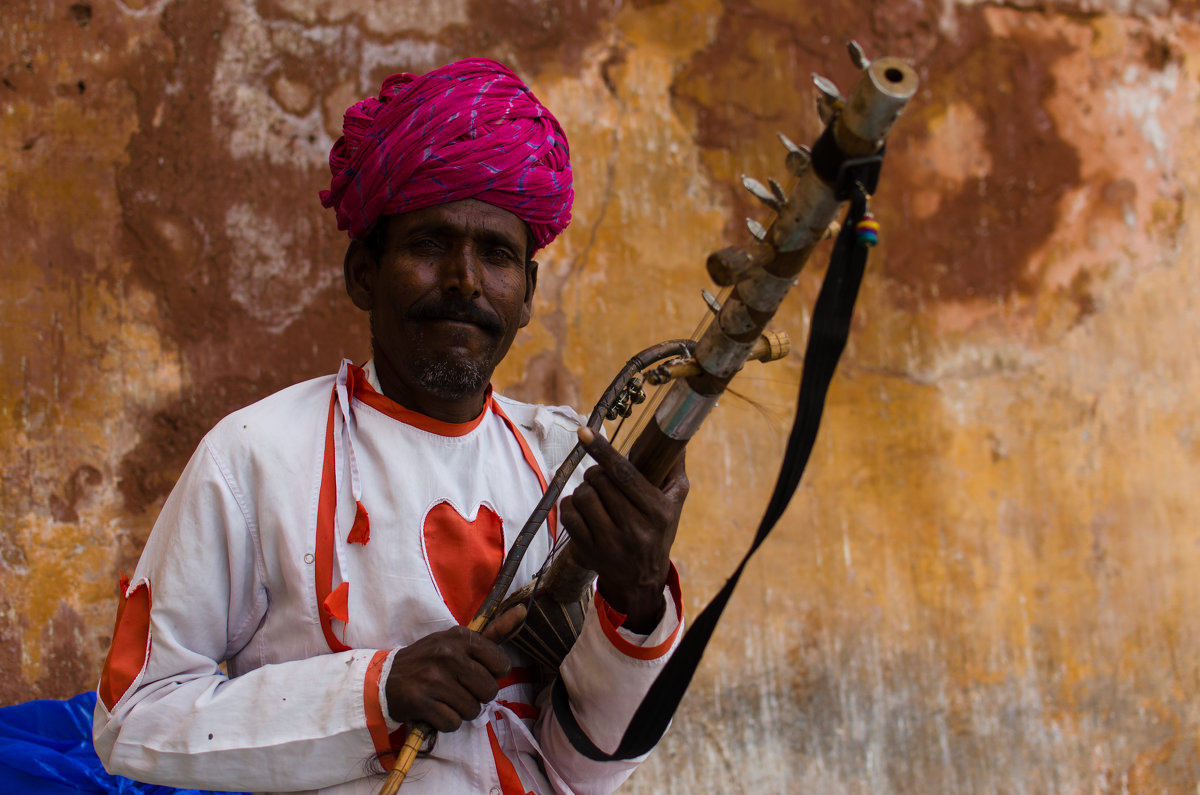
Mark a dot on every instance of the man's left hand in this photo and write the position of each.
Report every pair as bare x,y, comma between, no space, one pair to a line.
623,526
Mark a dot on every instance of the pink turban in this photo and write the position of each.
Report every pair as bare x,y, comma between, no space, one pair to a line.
469,130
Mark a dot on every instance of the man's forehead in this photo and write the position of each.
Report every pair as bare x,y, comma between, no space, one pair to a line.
468,215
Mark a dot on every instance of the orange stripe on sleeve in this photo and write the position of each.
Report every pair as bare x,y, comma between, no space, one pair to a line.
130,649
605,613
376,723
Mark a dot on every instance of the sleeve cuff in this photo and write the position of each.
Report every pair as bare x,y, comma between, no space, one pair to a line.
386,734
660,640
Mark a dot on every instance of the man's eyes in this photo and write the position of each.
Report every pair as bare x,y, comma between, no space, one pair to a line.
424,244
502,254
498,254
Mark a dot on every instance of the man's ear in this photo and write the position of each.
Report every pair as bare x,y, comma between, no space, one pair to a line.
531,269
360,268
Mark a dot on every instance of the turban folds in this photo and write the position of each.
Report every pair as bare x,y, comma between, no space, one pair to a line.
469,130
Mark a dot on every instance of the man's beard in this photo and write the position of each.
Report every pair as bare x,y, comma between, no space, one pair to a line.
451,379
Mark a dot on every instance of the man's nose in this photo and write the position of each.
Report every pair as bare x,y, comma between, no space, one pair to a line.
461,271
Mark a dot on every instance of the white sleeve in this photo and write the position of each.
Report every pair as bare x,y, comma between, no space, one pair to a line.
168,714
607,674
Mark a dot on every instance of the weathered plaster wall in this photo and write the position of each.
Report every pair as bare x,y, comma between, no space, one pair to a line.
988,581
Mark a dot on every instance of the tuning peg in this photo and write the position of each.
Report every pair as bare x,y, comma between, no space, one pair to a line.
761,192
830,100
826,109
711,301
637,391
789,144
798,157
828,88
756,229
857,55
777,189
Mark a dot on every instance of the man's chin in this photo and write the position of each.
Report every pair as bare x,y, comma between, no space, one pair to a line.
454,379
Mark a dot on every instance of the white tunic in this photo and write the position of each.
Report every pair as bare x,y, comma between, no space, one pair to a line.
257,561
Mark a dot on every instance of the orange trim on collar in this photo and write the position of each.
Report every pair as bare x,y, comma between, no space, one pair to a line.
361,388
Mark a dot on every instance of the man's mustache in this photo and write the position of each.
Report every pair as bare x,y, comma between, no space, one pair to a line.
464,311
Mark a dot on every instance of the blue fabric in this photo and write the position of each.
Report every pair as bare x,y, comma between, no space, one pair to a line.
46,749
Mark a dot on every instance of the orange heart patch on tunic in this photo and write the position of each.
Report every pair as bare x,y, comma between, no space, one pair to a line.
464,556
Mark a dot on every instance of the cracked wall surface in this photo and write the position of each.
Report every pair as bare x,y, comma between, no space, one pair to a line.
988,580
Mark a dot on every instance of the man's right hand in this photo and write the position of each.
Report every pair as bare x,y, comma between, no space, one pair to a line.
445,678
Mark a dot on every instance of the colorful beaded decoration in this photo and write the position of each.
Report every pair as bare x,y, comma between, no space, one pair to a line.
867,230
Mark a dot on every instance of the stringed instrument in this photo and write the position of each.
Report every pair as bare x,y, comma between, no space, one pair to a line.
841,166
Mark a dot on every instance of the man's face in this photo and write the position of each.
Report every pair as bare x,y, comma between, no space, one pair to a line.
448,293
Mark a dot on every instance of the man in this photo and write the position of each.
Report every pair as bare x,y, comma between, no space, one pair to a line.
328,543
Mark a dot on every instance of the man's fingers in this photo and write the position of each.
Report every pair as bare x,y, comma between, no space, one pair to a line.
441,716
478,685
677,484
586,517
606,455
467,701
574,523
485,652
444,677
505,624
620,471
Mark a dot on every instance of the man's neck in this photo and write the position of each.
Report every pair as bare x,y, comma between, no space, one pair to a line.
421,401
